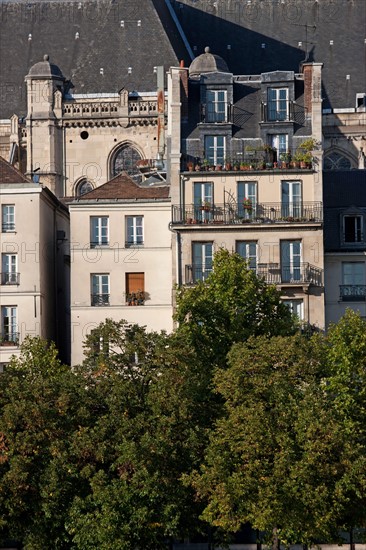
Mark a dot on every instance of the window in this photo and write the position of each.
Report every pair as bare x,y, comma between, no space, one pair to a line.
247,198
296,307
216,106
99,231
290,261
248,251
202,260
7,217
9,325
9,275
336,161
352,229
100,289
135,289
125,160
203,200
353,279
84,186
134,230
278,104
291,201
215,149
279,142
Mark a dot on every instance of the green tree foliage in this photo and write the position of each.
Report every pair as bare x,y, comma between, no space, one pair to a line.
41,404
231,305
288,454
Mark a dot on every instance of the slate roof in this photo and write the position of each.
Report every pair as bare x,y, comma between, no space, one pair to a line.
9,174
342,190
122,187
29,30
265,35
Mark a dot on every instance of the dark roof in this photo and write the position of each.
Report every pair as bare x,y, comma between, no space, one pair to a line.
9,174
109,37
256,37
344,191
124,188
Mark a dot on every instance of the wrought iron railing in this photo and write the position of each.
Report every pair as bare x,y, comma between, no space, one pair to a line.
303,272
196,272
95,244
9,338
10,278
238,213
272,273
352,293
7,227
100,299
270,114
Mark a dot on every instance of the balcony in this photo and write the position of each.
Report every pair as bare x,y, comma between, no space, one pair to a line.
9,339
352,293
234,213
272,273
303,273
271,115
100,299
9,278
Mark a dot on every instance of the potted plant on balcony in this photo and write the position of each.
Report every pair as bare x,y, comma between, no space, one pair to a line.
190,166
206,206
304,153
285,159
228,165
248,205
136,298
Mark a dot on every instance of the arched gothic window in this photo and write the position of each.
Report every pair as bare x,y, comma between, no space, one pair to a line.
124,160
84,186
336,161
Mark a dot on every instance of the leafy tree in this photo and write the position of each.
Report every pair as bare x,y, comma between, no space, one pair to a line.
254,470
41,403
150,430
230,306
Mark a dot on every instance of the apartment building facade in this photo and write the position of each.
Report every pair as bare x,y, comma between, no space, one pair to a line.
234,185
34,284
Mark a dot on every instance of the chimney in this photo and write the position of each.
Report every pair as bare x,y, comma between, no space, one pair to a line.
183,75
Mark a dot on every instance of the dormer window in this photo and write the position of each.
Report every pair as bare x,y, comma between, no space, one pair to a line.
216,106
278,104
353,229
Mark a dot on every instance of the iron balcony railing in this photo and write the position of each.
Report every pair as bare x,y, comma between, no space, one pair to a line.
9,278
272,273
299,273
100,299
7,227
9,338
352,293
95,244
238,213
270,114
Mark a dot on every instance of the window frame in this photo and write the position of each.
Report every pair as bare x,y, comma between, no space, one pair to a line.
215,153
97,290
97,238
7,211
276,112
358,231
9,269
201,270
132,231
248,246
9,333
213,111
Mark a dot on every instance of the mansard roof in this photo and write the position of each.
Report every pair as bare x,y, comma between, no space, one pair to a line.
101,46
256,37
122,187
10,174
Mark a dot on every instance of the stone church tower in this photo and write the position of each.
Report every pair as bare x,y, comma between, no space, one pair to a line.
45,83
